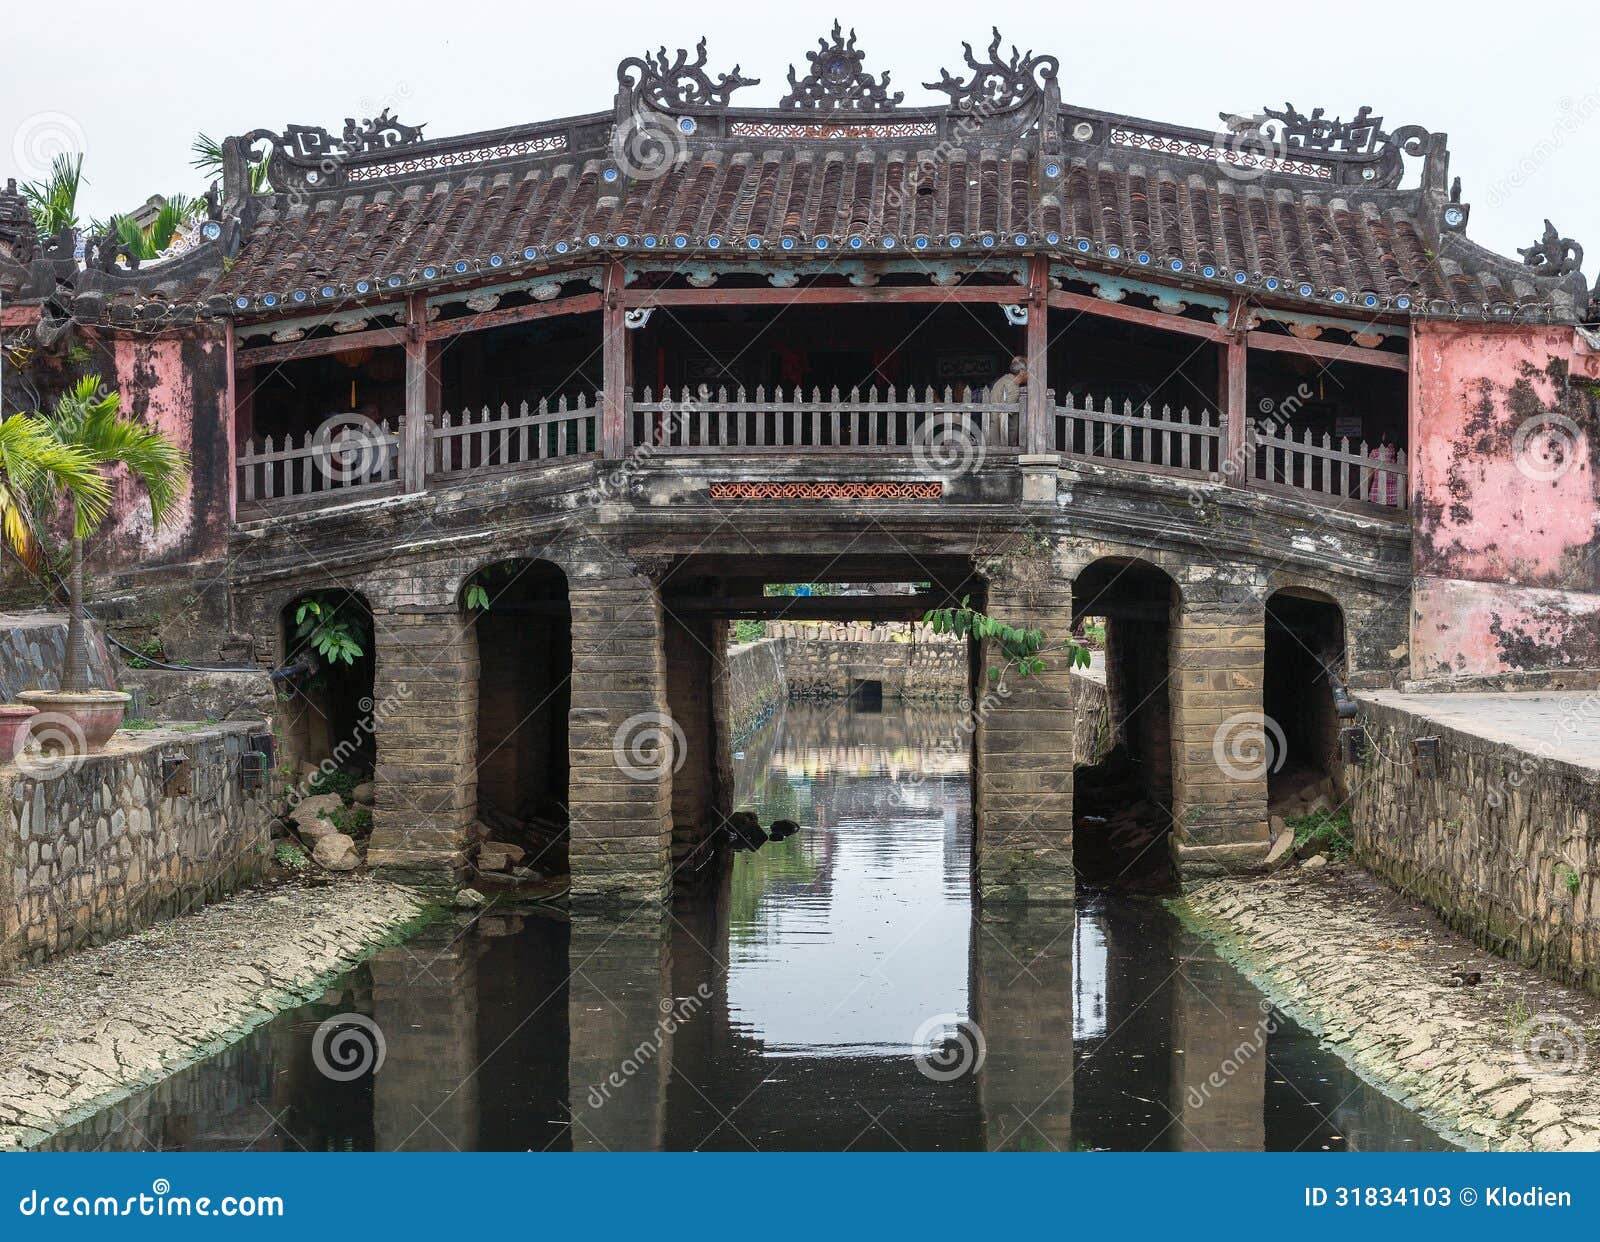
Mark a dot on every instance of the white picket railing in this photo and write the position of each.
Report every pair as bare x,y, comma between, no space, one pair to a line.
1329,469
1182,442
499,438
705,421
344,456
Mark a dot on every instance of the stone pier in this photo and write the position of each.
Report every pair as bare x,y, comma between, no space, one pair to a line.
425,692
1221,752
623,744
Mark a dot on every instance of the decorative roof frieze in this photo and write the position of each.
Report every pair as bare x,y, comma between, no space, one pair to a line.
838,80
1552,254
996,85
677,84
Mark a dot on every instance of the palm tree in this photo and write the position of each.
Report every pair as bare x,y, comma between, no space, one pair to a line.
153,239
89,420
34,461
54,201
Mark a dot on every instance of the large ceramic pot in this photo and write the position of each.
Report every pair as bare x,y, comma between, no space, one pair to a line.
14,719
77,723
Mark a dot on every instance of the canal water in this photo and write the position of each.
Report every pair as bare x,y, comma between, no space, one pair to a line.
830,991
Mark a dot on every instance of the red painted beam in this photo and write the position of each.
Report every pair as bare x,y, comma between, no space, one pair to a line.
851,296
1327,349
289,351
1062,300
580,304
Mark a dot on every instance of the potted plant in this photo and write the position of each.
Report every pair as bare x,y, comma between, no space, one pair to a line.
89,421
32,461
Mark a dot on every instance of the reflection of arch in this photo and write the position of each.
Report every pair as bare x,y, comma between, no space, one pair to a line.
523,623
1303,658
329,717
1135,598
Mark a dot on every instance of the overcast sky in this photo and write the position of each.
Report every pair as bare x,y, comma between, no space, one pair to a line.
1520,99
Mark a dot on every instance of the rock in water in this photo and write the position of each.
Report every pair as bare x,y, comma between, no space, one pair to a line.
782,828
746,831
336,852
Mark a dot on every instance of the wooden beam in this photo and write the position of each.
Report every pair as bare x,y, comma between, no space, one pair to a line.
871,295
614,344
580,304
1037,416
809,607
1329,350
1235,401
290,351
414,439
1083,303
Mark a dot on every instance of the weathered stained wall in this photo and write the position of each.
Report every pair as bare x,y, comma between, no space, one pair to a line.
1504,481
1498,839
97,847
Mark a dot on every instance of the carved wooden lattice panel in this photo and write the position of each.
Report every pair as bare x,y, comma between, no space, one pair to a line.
772,490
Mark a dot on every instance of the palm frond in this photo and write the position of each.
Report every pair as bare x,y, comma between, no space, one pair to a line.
35,467
54,200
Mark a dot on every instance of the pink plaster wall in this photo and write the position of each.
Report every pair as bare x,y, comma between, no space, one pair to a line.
177,383
1507,541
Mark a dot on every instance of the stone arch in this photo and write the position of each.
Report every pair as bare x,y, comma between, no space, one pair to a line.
1123,796
519,613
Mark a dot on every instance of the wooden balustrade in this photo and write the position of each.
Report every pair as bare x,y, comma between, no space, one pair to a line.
702,421
351,456
1332,471
1142,437
347,455
501,439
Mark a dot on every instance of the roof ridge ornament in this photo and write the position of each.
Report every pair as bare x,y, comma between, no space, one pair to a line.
1362,135
837,80
1552,254
677,85
998,85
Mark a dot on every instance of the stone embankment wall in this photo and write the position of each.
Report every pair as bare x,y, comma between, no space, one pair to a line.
98,846
823,661
33,648
1503,842
756,684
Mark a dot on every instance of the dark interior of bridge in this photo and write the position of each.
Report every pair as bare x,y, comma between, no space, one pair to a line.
1304,641
1122,805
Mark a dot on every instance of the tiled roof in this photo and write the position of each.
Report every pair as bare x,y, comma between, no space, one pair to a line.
840,168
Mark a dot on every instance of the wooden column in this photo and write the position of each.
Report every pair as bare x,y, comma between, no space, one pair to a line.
615,380
420,384
1235,400
1037,434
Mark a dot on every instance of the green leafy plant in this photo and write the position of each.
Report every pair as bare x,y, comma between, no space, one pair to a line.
153,239
329,628
1022,646
477,597
207,153
89,420
1569,877
353,821
54,200
1324,832
749,631
289,857
147,651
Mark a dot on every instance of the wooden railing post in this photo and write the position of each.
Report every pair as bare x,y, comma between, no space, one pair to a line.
1038,436
414,434
614,345
1238,461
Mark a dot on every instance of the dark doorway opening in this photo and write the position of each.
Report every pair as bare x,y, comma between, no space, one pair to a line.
866,694
524,631
1304,659
1122,806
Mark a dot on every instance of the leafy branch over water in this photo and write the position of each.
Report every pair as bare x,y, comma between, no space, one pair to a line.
1021,646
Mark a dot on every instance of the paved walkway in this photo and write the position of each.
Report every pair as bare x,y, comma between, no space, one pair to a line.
1564,726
